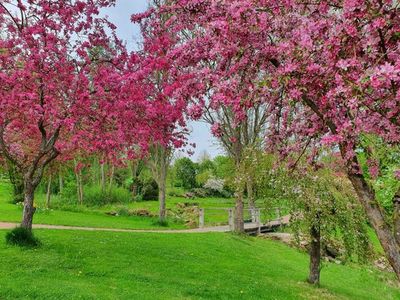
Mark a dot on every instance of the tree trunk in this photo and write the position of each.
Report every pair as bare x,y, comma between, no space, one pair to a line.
61,183
162,200
315,255
29,209
135,177
238,223
239,220
162,191
376,217
79,186
48,195
396,216
103,177
111,177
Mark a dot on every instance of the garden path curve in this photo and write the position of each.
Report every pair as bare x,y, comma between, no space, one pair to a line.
282,221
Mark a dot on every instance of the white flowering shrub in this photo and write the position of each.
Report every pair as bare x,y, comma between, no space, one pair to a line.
215,184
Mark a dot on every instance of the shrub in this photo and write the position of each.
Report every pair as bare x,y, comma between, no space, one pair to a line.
17,199
93,195
203,177
123,211
138,197
215,184
200,192
186,172
174,193
150,190
161,223
22,237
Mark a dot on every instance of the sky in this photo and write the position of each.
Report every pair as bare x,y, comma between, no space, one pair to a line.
130,33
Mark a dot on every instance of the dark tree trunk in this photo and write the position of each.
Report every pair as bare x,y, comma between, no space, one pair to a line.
375,215
315,255
396,216
29,209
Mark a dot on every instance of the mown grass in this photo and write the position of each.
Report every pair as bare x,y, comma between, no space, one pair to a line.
101,265
216,212
95,216
84,217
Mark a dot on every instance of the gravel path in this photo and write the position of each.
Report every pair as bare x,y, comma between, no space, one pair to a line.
6,225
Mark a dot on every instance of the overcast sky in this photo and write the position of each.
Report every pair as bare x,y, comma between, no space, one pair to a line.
130,33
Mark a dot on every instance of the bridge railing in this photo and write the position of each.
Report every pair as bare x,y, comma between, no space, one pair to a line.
222,216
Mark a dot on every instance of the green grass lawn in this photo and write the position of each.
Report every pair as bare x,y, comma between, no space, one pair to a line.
85,217
76,215
101,265
81,215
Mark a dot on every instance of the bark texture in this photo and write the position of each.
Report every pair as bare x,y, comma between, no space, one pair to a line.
29,209
159,163
79,183
315,255
48,194
103,177
375,215
162,200
396,216
239,218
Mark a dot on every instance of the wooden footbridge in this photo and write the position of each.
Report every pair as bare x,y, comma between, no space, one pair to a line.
254,222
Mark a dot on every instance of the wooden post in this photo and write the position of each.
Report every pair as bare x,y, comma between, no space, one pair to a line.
258,220
231,219
201,218
253,213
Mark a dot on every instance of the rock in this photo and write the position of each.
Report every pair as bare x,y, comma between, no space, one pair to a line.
141,213
189,195
286,238
112,213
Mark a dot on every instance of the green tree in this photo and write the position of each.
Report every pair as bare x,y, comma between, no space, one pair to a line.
324,210
186,171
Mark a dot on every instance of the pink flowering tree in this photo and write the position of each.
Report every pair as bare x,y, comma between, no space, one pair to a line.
207,44
340,65
56,91
163,84
329,70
